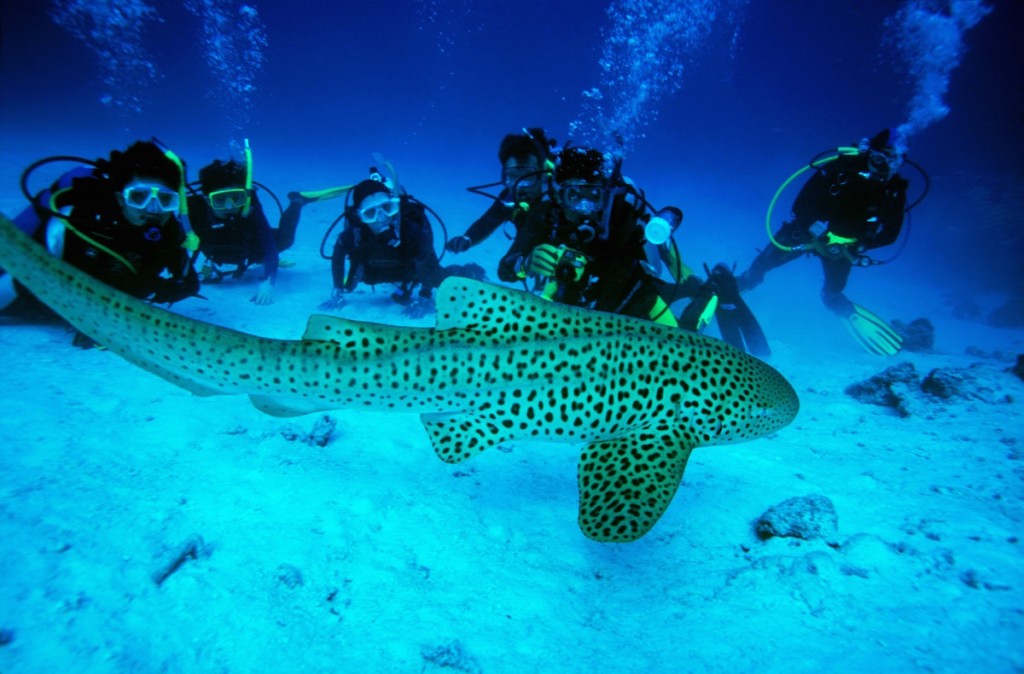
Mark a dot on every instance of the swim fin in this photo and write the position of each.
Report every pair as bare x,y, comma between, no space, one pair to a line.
699,312
736,322
871,332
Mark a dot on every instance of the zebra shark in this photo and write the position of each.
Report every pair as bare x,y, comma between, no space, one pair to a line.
499,365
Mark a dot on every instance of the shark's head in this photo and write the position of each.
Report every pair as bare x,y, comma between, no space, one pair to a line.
736,397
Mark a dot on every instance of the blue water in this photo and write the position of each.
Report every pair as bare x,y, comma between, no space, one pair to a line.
717,102
712,105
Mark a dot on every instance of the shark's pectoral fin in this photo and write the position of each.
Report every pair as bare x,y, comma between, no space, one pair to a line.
287,407
626,484
458,436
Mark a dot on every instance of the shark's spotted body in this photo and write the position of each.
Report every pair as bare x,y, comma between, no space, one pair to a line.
500,365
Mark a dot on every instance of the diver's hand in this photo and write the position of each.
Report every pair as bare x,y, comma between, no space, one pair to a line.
264,295
470,271
691,286
543,260
298,199
418,307
459,244
171,290
335,302
725,283
551,261
402,296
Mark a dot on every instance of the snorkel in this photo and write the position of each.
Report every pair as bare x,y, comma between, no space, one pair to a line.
396,192
191,242
248,179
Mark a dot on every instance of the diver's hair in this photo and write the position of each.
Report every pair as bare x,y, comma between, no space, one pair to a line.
534,143
142,159
580,163
221,175
365,188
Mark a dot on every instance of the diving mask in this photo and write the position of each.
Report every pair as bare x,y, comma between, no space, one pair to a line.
522,180
151,198
229,199
584,199
521,177
882,164
374,210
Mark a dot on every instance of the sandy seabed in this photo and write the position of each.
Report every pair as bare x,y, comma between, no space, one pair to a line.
144,529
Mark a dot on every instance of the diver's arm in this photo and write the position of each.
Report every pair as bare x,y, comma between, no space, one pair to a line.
183,281
267,238
57,196
809,206
497,214
343,248
419,237
511,263
676,267
891,214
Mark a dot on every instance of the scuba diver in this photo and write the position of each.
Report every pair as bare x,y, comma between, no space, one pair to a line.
585,245
717,296
527,160
233,228
593,243
387,238
123,221
853,203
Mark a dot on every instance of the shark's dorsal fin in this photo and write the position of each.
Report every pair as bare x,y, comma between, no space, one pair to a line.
476,306
627,483
321,328
344,331
465,304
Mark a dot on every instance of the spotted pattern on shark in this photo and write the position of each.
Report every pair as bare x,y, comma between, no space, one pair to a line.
500,365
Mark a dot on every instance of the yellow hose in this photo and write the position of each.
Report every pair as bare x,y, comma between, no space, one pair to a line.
840,151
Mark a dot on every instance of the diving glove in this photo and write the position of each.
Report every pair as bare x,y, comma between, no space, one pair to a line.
459,244
335,301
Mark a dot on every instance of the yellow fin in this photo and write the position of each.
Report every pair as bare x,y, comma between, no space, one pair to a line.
871,332
627,483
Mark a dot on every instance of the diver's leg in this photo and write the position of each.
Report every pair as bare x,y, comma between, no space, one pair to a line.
871,332
288,224
837,272
736,321
771,257
8,294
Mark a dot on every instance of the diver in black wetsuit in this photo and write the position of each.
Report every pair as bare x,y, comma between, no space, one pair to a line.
854,203
388,239
526,164
587,244
119,223
233,228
